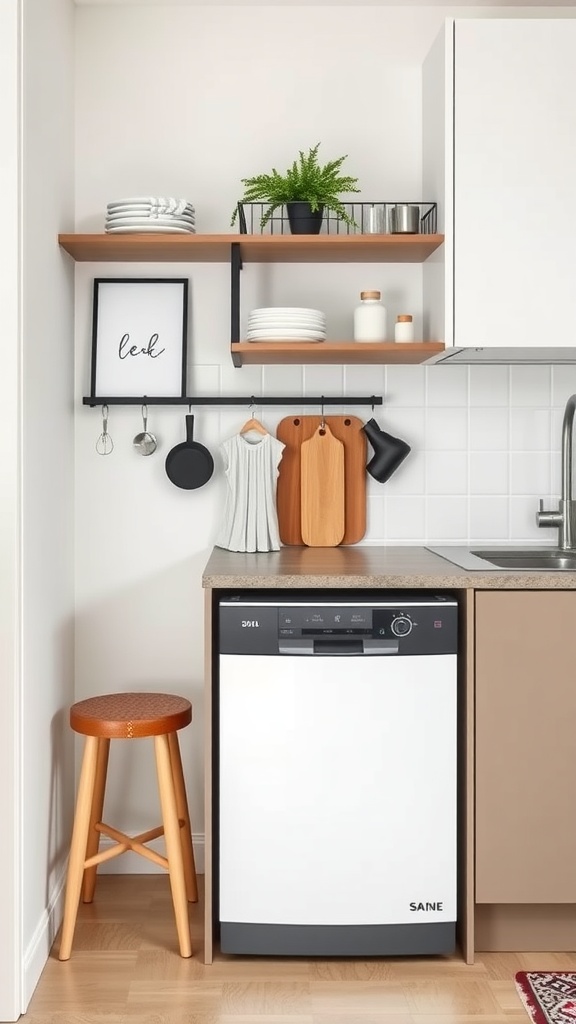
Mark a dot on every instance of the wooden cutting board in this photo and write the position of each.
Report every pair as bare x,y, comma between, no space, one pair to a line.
292,431
322,489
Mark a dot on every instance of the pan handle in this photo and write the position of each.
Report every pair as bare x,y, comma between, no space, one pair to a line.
189,428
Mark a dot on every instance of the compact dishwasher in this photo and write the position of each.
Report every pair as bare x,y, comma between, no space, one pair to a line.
336,773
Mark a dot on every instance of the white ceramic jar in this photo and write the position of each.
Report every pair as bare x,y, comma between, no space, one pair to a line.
404,328
370,318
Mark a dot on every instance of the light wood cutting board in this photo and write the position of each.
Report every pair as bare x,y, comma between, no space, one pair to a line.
322,489
292,431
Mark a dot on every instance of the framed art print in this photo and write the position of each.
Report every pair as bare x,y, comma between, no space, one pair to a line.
139,335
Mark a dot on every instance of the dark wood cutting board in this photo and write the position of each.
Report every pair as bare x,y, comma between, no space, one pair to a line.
292,431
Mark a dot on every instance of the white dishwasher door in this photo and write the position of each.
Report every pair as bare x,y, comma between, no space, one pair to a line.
337,789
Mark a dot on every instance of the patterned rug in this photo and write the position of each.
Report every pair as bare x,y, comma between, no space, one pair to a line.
548,996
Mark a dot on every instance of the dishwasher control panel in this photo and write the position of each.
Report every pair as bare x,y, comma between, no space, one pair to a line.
392,625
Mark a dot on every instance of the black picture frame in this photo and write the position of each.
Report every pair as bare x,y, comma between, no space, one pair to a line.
136,322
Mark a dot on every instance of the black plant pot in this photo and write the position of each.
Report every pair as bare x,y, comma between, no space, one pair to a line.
389,452
304,221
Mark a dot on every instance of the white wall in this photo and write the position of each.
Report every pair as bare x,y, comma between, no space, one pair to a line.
47,470
10,298
36,466
186,102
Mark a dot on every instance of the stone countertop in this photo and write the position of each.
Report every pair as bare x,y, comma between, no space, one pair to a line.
389,566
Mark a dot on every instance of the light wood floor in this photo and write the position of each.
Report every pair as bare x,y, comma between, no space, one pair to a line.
125,969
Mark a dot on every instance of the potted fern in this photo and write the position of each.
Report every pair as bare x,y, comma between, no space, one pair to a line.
306,189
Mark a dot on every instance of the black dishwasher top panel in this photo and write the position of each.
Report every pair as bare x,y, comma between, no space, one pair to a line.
392,624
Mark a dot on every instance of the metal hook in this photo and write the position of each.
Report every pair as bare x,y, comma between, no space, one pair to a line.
322,421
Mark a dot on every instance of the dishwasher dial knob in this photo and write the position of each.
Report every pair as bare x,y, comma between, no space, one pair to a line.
401,626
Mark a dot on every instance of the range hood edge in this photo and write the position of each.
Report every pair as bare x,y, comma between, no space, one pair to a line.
503,356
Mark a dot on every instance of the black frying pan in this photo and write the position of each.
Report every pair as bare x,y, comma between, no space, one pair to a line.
189,464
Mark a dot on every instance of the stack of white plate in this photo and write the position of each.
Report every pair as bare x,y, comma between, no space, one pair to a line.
149,213
286,323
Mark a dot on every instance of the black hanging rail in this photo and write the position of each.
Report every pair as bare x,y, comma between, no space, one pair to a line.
248,400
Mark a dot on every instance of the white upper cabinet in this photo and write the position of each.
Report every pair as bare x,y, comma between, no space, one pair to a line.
505,146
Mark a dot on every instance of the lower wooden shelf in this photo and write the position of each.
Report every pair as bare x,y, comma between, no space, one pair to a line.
333,352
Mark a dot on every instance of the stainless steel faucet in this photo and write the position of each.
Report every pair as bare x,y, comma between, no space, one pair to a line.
565,517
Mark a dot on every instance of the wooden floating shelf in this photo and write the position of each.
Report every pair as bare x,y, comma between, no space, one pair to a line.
247,353
188,248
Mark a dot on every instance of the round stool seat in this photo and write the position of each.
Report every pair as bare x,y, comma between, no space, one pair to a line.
130,715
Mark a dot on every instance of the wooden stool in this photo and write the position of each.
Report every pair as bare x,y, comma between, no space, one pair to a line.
127,716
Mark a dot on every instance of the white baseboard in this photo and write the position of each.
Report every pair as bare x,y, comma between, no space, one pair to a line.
39,947
133,864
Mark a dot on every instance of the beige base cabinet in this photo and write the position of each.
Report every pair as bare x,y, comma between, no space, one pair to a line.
525,747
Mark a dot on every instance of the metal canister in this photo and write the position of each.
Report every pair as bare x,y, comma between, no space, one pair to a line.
404,219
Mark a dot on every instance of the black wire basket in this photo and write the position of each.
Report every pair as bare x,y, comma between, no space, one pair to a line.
368,218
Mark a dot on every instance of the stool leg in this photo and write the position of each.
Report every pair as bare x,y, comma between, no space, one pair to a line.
89,884
173,842
78,844
183,815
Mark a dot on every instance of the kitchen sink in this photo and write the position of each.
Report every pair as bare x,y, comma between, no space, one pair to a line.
529,559
511,559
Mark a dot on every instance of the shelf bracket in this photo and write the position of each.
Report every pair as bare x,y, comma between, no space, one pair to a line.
235,268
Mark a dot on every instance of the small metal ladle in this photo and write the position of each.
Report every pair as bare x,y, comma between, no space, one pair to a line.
145,443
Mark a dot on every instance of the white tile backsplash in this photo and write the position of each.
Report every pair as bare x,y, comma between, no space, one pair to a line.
556,418
563,384
357,383
489,385
530,385
530,473
408,479
446,429
282,380
406,385
489,429
409,424
485,440
447,386
447,518
240,381
446,473
523,521
530,430
375,518
485,446
326,380
405,518
555,479
489,517
489,473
